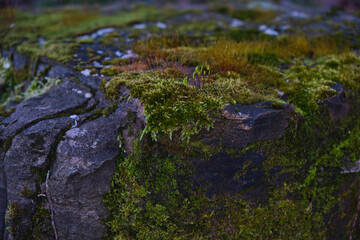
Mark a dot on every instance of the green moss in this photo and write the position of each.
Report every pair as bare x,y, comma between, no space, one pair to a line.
110,71
86,41
117,61
109,110
13,217
153,197
112,39
26,192
56,50
263,59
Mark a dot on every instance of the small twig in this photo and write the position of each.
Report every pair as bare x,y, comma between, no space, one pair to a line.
50,204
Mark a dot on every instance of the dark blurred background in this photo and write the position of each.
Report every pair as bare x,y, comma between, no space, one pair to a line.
350,5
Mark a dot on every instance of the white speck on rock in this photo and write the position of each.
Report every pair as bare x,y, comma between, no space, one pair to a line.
83,37
12,25
6,65
297,14
354,168
271,32
118,53
86,72
262,27
77,91
161,25
97,64
102,32
280,92
41,41
99,52
129,54
88,95
139,26
236,23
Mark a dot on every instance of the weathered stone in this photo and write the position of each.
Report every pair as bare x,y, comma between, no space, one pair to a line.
81,175
339,105
3,196
28,154
222,173
64,98
241,125
130,118
19,61
59,70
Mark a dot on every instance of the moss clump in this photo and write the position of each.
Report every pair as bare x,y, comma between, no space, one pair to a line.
117,61
112,39
110,71
263,59
59,51
171,104
248,34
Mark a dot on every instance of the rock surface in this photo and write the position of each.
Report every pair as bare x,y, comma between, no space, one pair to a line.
81,175
62,99
242,125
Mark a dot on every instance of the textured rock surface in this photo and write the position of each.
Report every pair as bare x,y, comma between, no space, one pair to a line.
3,195
28,154
84,165
242,125
64,98
225,174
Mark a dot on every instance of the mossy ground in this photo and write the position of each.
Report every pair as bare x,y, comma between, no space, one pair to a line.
184,77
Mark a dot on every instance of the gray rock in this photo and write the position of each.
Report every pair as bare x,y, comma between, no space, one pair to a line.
29,152
223,174
339,106
3,197
19,61
64,98
64,71
241,125
81,175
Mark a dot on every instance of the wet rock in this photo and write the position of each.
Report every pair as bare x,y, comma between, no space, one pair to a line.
81,175
241,125
64,98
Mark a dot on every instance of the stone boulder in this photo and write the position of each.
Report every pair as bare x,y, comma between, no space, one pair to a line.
80,176
241,125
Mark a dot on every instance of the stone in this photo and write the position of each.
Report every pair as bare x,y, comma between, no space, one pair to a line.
339,105
223,174
29,153
51,103
81,175
3,195
241,125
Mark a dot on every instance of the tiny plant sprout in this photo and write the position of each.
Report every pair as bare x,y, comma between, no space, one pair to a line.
76,119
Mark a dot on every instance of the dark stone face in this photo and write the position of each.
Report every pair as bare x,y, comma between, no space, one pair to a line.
223,174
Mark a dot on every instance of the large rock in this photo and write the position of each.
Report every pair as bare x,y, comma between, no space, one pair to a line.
3,197
222,173
241,125
81,175
28,155
64,98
